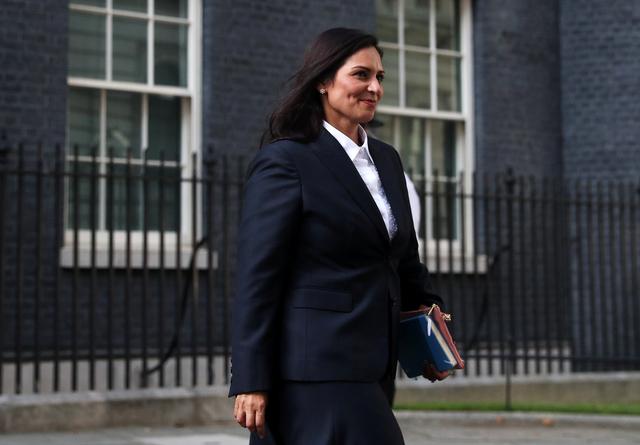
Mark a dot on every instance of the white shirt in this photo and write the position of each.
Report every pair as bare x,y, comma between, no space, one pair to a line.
361,158
414,202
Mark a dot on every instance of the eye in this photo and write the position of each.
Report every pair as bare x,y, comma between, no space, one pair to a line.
362,74
380,77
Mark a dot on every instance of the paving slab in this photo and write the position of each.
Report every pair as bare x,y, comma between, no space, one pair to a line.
419,428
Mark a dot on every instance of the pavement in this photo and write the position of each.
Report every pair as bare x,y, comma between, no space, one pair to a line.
419,428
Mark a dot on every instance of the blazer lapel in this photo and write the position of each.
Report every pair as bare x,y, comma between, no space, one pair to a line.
333,156
391,180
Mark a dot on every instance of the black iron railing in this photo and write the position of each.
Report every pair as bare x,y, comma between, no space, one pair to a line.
118,274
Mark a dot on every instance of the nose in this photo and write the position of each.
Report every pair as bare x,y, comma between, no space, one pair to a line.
375,87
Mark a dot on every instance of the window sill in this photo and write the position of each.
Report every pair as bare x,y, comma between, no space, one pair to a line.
118,258
456,263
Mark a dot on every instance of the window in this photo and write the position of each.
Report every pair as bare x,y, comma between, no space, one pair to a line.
134,86
427,106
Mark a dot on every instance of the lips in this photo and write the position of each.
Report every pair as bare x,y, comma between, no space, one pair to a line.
371,102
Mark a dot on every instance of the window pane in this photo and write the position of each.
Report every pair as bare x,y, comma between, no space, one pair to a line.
443,159
88,2
123,123
170,65
387,20
391,78
447,24
418,80
164,198
131,5
83,120
82,177
129,50
124,197
86,45
416,30
164,128
443,148
449,83
411,147
445,204
175,8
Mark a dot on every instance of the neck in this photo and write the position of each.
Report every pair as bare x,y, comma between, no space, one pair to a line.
347,127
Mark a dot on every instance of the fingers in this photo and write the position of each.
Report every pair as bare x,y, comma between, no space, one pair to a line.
236,408
432,374
250,422
249,412
260,424
259,417
238,411
440,375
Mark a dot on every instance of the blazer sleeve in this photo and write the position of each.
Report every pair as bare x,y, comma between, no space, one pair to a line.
415,283
270,215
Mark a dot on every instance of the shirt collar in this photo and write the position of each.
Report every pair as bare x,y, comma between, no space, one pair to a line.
345,141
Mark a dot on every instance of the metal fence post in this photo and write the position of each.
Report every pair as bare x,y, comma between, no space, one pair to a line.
4,153
510,182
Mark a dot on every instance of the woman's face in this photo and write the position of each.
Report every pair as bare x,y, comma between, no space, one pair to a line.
352,95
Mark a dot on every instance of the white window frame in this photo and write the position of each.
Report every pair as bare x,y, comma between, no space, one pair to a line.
190,150
464,119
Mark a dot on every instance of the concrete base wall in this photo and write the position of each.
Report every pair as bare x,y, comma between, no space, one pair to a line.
592,388
206,406
74,412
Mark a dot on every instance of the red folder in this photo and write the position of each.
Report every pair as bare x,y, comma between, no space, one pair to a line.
434,346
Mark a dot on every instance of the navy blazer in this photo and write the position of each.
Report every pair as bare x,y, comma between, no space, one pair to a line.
319,285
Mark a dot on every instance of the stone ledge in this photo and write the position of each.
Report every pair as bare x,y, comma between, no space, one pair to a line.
615,387
89,410
514,419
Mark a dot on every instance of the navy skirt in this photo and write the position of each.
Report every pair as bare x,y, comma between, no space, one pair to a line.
329,413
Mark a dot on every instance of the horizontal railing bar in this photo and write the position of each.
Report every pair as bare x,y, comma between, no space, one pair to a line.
218,350
454,196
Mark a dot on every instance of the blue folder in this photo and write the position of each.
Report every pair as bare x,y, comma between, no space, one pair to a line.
420,341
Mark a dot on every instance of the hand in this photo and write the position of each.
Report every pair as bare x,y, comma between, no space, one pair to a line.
445,316
249,411
432,374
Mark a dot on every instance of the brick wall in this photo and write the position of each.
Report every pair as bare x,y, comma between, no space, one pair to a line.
600,114
517,86
33,78
250,50
600,87
33,90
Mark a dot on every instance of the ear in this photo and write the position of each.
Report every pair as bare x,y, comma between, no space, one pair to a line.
326,84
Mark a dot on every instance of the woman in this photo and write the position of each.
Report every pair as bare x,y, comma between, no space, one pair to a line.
326,249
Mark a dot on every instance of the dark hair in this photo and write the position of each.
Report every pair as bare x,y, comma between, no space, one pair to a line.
299,113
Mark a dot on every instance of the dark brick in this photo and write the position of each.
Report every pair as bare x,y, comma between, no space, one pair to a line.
600,86
517,86
250,50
